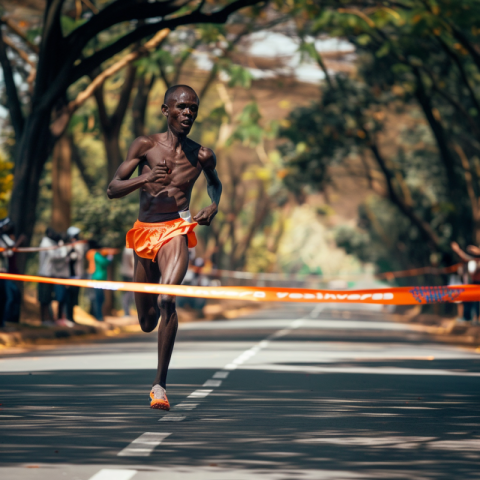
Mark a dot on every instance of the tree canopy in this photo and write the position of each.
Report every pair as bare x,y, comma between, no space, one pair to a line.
417,63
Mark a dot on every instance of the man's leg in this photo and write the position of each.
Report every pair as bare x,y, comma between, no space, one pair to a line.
172,262
146,271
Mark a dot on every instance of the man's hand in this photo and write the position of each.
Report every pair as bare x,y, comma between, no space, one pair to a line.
158,173
455,246
206,215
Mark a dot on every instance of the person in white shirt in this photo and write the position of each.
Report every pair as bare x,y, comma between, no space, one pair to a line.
52,263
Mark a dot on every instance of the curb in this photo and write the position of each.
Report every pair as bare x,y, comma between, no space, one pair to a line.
444,329
29,335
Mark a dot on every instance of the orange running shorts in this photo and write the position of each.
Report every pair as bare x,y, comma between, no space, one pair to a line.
148,238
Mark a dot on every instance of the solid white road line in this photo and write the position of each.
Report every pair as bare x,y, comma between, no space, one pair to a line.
200,393
112,474
144,445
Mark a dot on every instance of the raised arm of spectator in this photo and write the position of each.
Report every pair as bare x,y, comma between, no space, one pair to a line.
463,255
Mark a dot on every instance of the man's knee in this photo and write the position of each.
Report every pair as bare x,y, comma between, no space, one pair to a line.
166,302
148,321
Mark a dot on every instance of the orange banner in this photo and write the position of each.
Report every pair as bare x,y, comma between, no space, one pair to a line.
384,296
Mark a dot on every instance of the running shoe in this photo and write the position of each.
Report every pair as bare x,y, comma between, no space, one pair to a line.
159,399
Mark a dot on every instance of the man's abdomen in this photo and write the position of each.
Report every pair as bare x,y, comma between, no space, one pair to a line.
163,207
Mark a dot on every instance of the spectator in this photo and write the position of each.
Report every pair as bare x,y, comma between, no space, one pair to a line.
45,290
76,265
471,310
60,269
13,296
126,272
101,263
458,279
52,263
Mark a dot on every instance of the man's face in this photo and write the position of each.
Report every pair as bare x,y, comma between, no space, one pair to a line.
181,111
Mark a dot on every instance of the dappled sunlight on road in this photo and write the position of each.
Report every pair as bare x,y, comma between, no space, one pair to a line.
300,399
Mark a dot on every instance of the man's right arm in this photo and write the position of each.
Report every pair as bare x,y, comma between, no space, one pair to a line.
122,184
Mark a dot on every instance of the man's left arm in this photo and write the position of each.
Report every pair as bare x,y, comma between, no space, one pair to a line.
208,161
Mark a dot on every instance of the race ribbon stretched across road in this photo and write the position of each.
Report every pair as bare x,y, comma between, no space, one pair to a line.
382,296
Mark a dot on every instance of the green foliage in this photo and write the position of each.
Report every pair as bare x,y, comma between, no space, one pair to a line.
326,133
239,76
249,131
417,61
6,184
69,24
105,220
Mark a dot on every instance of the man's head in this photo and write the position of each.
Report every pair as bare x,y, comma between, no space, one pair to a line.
73,232
180,106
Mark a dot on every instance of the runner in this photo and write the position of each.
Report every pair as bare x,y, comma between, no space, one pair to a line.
168,165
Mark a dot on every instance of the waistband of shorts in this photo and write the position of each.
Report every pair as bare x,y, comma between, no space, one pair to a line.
168,217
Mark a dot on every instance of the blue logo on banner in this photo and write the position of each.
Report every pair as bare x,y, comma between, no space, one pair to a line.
435,294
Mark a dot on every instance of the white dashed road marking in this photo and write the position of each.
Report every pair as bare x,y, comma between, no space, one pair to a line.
185,406
200,393
247,354
172,417
212,383
144,445
112,474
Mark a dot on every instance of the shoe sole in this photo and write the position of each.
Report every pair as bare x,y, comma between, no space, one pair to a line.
160,406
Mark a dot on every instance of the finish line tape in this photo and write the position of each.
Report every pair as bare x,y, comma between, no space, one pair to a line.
384,296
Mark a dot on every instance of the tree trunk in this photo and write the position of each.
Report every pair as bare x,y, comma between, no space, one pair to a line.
112,149
112,124
140,103
62,184
32,152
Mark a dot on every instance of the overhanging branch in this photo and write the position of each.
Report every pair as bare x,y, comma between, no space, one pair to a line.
143,31
117,12
60,124
69,75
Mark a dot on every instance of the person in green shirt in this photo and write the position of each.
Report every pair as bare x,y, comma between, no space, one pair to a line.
101,264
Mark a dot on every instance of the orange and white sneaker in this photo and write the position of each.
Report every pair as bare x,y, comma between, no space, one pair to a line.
159,398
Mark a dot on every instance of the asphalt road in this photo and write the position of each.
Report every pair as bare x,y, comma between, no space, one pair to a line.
288,393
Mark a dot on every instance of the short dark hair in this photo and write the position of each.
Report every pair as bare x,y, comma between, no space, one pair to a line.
173,89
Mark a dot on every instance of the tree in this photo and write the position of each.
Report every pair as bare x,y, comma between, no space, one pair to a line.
416,59
64,58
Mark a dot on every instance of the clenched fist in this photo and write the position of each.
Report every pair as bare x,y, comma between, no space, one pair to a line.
158,173
205,216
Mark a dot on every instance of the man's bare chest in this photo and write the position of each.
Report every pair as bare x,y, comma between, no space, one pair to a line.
183,167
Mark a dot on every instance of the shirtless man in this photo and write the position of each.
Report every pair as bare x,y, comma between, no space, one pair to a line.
169,164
